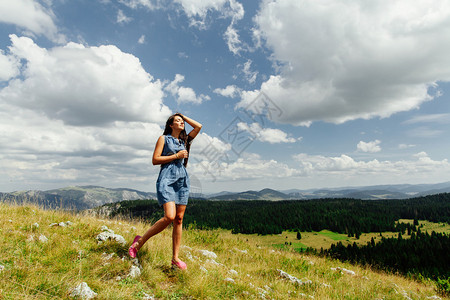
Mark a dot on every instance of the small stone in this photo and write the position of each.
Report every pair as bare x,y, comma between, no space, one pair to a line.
267,288
189,255
106,256
136,263
2,267
242,251
261,292
343,270
228,279
293,279
83,291
209,254
43,238
35,225
109,234
148,297
306,296
134,272
213,262
232,273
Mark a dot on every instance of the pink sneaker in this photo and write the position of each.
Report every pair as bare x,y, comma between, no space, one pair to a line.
179,264
133,251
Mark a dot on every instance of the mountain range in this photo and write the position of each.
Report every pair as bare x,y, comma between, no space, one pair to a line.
376,192
75,197
85,197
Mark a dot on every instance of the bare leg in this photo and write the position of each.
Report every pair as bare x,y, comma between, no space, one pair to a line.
160,225
177,231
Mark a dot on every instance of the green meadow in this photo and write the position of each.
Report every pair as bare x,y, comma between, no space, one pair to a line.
325,238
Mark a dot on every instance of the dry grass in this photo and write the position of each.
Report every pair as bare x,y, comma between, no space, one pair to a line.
49,270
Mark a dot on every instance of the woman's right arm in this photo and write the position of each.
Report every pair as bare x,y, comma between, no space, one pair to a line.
158,159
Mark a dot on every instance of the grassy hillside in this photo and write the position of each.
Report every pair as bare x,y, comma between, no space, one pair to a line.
39,261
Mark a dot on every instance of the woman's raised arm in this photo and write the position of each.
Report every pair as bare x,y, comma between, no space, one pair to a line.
196,126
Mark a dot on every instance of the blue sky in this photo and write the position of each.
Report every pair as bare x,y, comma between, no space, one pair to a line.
293,94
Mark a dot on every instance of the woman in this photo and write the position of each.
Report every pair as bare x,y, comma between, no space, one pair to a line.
172,186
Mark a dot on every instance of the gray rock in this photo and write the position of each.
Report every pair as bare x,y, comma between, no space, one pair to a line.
229,280
107,234
83,291
293,279
209,254
135,272
43,239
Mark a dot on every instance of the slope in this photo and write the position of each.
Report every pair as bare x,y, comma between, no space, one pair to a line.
220,265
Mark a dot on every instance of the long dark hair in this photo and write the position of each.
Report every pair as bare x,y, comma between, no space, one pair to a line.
183,137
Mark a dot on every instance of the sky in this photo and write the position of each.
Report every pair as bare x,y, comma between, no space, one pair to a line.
292,94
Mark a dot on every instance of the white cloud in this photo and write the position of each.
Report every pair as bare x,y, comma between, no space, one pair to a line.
372,146
183,55
230,91
211,159
184,94
343,60
406,146
149,4
231,35
250,76
246,167
141,39
122,18
43,153
84,115
84,85
431,118
9,66
31,16
421,168
198,10
269,135
425,132
232,38
207,147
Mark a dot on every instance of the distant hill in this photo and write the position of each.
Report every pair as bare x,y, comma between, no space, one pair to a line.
75,197
400,191
265,194
85,197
